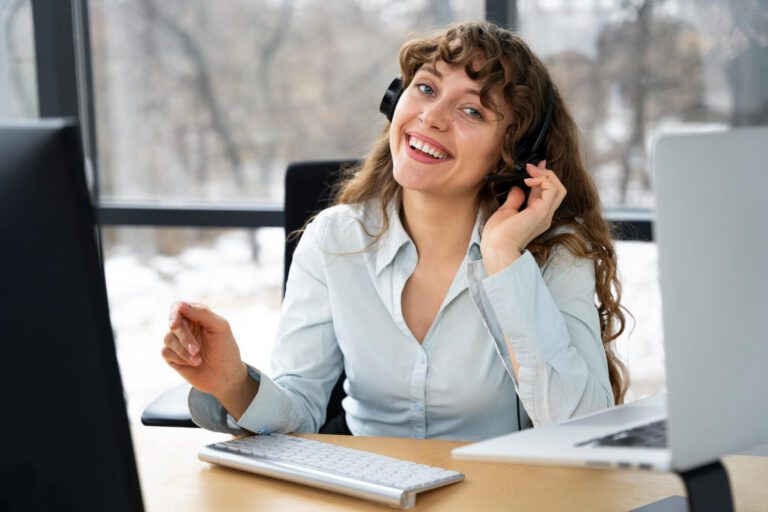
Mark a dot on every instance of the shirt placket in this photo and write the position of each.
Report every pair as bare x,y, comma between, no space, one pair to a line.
419,394
403,268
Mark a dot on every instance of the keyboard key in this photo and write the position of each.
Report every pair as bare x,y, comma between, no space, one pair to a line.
651,435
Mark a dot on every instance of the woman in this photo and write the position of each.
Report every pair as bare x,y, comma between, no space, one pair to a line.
453,317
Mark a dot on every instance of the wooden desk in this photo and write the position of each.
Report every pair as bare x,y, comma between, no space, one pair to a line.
172,478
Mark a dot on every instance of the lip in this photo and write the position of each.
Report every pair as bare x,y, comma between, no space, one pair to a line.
421,157
432,142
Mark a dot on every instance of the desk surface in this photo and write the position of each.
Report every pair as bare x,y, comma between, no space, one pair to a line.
172,478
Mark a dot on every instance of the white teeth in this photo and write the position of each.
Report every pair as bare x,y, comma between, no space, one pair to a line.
425,148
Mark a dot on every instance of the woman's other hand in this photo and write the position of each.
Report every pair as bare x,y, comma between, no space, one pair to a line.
509,231
200,346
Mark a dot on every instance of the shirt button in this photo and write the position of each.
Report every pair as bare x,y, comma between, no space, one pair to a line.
418,407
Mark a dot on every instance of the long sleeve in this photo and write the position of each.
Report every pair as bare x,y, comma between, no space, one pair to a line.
306,360
548,319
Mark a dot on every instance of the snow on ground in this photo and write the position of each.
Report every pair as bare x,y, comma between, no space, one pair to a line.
248,294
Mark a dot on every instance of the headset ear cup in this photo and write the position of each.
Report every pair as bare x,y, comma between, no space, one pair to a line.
391,97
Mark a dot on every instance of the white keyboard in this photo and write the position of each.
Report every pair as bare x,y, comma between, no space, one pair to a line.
336,468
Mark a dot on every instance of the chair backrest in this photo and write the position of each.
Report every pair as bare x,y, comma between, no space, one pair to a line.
307,191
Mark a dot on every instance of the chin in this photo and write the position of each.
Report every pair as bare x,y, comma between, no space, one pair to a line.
412,178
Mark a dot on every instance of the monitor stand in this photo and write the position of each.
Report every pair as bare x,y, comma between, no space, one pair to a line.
708,490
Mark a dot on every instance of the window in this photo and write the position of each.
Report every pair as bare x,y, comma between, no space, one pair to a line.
641,346
201,101
633,70
239,273
18,91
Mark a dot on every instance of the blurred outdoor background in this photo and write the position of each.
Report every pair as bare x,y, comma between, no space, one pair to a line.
202,101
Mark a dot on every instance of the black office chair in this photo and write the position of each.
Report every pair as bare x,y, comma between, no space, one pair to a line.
307,191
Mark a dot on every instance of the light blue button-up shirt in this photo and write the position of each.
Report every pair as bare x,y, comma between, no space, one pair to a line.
342,310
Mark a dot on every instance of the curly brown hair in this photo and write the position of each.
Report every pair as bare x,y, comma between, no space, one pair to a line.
507,64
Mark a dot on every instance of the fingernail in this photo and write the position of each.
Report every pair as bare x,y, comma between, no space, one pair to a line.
196,360
192,349
184,306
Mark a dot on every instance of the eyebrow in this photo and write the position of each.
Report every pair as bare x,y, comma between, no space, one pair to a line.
433,71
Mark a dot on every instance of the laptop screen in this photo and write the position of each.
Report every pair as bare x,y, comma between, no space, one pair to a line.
711,230
65,439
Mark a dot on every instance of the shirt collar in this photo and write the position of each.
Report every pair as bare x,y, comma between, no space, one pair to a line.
396,236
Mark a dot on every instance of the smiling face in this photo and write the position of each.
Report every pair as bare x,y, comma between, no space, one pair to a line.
443,140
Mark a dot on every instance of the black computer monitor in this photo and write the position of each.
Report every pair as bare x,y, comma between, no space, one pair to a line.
64,437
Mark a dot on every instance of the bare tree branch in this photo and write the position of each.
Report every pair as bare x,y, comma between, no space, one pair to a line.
267,53
192,50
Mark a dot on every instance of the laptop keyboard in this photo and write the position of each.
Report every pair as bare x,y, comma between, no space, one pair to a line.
650,435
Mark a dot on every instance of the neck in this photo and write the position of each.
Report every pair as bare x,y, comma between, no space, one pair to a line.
440,227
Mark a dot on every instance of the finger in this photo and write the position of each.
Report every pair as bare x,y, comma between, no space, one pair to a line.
174,315
534,171
553,193
534,182
182,369
538,170
202,314
187,340
173,343
548,174
542,176
194,344
171,357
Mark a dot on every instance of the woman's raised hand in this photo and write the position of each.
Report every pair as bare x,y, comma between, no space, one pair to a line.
200,346
509,231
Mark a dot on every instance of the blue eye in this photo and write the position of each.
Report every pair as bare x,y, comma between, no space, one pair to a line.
425,89
474,113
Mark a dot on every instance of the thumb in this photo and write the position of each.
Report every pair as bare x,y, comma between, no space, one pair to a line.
514,200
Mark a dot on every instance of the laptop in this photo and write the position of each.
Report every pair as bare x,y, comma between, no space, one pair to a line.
712,233
64,435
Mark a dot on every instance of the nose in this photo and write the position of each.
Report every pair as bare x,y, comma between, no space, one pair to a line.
435,115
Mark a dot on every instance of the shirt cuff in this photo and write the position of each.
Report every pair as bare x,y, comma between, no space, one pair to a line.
208,413
526,312
270,410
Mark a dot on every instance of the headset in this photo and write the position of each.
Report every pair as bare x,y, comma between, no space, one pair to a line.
529,150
